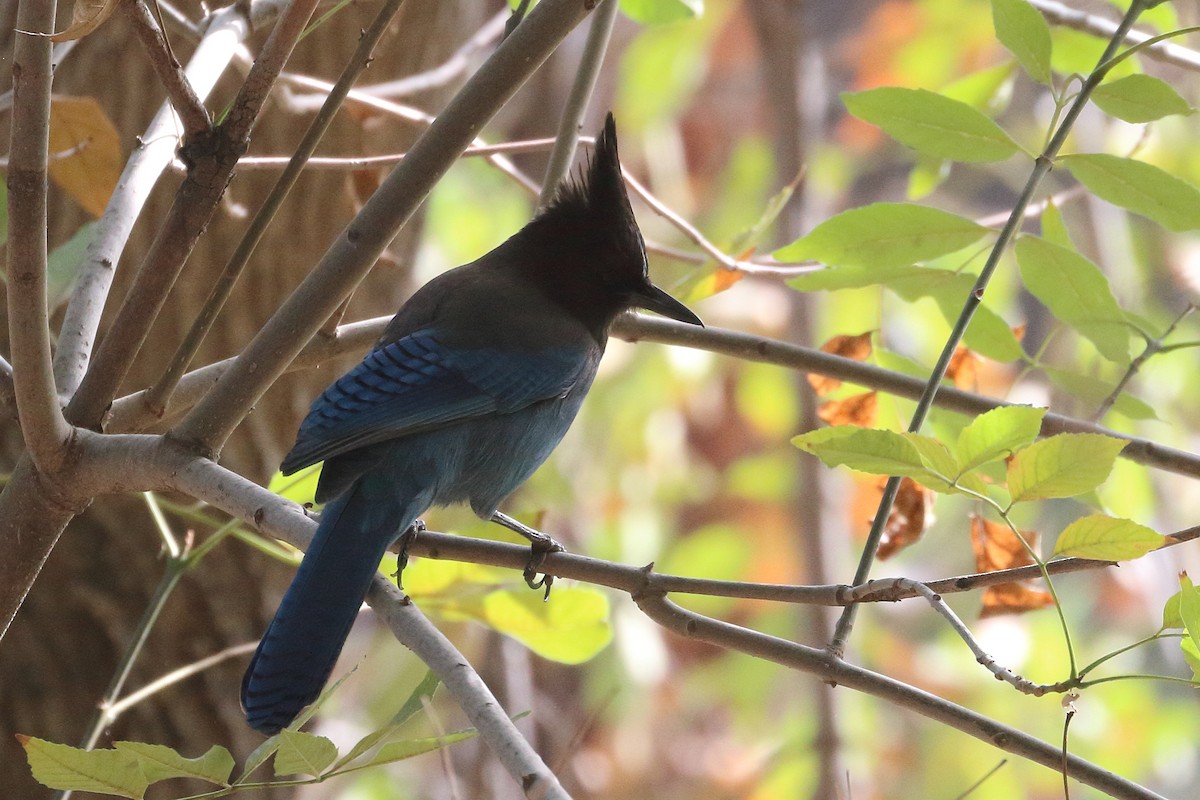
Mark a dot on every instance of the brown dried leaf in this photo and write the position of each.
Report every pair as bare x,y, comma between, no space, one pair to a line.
85,151
910,517
859,409
85,18
997,548
1013,598
855,347
964,368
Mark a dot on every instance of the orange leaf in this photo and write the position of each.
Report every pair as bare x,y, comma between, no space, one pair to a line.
85,151
964,368
910,517
715,282
997,548
859,409
854,347
1019,332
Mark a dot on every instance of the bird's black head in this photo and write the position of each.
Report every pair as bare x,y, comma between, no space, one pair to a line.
591,258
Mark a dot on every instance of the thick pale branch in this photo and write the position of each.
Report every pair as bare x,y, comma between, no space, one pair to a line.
42,424
1059,14
356,248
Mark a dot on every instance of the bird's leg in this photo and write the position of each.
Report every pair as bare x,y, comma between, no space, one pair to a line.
405,539
541,545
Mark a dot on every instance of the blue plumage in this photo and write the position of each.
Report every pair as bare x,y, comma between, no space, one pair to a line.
471,387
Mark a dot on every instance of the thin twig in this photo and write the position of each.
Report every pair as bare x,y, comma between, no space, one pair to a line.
182,96
830,668
351,163
114,710
586,75
1041,168
352,254
214,157
45,431
159,395
1152,348
154,151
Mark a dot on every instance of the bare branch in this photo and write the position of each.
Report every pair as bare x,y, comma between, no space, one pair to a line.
638,327
183,97
154,151
355,250
571,120
42,424
159,395
835,671
214,157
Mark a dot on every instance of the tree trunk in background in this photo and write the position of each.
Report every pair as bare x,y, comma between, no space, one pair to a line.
61,650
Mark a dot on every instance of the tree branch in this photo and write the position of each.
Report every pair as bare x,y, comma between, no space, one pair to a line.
159,395
1059,14
637,327
155,150
355,250
182,96
829,668
213,158
43,427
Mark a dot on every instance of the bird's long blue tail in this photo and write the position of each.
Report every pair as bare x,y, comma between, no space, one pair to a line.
300,647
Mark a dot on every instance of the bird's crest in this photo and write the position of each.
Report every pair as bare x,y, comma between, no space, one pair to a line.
597,191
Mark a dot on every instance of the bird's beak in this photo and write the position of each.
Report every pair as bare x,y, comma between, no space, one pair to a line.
655,299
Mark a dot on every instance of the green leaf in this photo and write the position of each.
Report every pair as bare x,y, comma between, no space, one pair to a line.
883,452
987,334
1094,390
1065,465
932,124
65,263
303,753
1140,187
1140,98
570,629
834,278
1189,613
159,763
884,235
998,434
59,766
408,748
1054,228
258,757
661,12
1023,31
415,702
988,90
1172,616
1106,538
1075,291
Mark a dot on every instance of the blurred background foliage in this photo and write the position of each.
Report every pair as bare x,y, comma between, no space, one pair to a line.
683,458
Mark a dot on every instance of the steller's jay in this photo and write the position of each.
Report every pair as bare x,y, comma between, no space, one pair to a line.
472,384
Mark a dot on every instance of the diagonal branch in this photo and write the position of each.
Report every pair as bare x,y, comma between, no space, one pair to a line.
43,427
155,150
183,97
356,248
159,395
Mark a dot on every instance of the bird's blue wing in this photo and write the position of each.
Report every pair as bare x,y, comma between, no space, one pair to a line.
417,383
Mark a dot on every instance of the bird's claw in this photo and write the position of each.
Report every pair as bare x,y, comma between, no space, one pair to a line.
404,541
538,550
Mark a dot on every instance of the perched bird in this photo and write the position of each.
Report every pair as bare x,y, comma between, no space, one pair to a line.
470,388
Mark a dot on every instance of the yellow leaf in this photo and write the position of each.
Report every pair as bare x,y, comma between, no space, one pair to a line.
85,151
